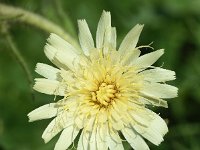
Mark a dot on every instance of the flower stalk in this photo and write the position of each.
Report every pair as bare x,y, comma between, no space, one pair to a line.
18,56
35,20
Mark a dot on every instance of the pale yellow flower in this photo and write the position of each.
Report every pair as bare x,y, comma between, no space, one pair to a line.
105,90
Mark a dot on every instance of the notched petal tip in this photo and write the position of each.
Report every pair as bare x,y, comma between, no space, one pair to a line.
81,20
85,37
45,140
49,51
105,12
47,71
162,51
52,36
176,91
29,117
166,106
35,85
38,66
131,39
139,26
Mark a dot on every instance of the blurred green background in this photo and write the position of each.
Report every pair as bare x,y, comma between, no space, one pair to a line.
171,24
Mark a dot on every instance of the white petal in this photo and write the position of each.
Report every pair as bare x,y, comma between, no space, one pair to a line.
158,75
84,140
113,139
101,138
148,59
47,71
140,116
131,39
50,52
155,132
130,56
149,134
51,87
88,125
107,40
43,112
62,45
113,38
79,120
66,138
56,125
112,144
116,120
134,139
152,100
61,58
159,124
85,37
93,141
67,77
60,52
104,23
159,90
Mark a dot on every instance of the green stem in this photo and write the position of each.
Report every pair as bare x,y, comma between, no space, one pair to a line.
38,21
64,17
18,56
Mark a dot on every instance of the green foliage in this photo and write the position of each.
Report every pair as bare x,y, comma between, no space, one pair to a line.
171,24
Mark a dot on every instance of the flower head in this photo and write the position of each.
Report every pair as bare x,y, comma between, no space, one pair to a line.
106,91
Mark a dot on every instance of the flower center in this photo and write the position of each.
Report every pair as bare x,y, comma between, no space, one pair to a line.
105,94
